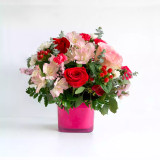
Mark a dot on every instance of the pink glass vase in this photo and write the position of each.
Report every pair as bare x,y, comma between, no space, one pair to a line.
79,119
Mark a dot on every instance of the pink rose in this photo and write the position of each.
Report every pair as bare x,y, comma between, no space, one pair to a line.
111,57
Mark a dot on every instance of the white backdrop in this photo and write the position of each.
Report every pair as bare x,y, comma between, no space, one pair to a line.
132,27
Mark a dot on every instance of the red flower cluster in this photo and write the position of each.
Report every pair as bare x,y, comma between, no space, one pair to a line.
85,36
62,44
96,40
127,73
42,53
76,77
105,72
99,91
60,58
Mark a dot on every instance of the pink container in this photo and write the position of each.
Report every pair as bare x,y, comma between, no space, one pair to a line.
79,119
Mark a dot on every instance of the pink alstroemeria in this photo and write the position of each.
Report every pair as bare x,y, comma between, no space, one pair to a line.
62,68
50,70
111,58
123,89
26,71
59,86
39,82
37,79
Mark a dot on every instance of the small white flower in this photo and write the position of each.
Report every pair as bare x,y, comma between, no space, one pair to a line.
44,45
116,73
33,60
93,36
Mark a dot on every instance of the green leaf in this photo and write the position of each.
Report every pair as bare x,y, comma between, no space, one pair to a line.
45,101
107,88
28,62
79,90
67,104
71,98
35,95
28,90
113,106
79,65
93,104
134,73
50,83
39,98
50,97
99,32
79,101
31,94
96,105
30,81
125,81
93,69
52,101
104,109
61,34
101,60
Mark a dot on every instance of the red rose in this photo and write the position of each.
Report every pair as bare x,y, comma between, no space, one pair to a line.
85,36
62,44
99,91
127,72
98,40
76,77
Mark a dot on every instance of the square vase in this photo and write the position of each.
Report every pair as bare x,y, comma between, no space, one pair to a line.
80,119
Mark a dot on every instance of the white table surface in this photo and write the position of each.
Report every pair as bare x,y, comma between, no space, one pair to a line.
114,138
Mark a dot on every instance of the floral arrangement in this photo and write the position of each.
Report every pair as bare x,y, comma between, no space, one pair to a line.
78,68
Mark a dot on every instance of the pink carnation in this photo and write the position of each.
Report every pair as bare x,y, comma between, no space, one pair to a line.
127,72
60,58
85,36
111,57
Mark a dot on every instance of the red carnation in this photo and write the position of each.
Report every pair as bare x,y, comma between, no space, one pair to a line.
62,44
99,91
127,72
76,77
85,36
99,40
60,58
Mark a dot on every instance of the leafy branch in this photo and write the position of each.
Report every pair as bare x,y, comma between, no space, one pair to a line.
43,93
99,32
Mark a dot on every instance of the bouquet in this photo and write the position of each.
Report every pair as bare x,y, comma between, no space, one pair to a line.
78,68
